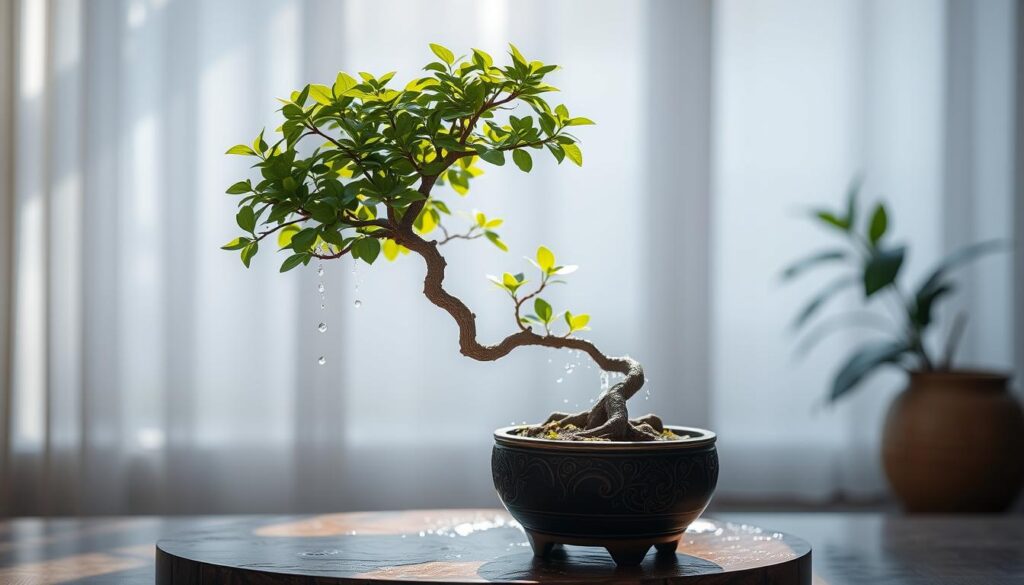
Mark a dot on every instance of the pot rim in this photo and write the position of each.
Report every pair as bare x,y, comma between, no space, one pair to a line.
702,438
962,375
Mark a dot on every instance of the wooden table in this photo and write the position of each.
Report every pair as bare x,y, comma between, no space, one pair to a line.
848,548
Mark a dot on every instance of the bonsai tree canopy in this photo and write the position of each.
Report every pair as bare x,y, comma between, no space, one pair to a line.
355,172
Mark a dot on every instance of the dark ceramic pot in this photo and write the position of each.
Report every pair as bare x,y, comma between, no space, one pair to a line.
624,496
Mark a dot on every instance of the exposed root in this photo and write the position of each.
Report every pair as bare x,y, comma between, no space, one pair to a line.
607,420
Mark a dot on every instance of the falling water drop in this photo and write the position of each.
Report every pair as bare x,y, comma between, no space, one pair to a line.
320,269
558,381
357,303
322,360
320,288
605,380
322,327
323,306
565,401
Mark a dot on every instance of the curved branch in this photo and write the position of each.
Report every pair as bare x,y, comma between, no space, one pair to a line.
433,289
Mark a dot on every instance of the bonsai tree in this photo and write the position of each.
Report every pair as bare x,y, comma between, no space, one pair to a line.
874,265
363,169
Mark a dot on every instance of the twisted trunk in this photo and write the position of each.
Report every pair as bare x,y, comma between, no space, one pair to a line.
608,419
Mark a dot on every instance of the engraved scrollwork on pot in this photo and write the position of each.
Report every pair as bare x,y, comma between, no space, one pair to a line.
512,470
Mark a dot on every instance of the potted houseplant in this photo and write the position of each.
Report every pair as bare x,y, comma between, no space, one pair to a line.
953,441
362,169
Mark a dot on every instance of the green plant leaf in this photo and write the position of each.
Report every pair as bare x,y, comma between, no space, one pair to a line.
495,157
293,261
321,94
822,297
284,237
240,187
443,53
572,151
830,219
961,256
545,259
879,224
248,252
236,244
543,310
852,191
496,240
800,266
580,122
523,160
367,249
241,149
882,268
863,362
246,218
343,83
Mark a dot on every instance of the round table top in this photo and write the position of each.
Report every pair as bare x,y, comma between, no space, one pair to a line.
460,546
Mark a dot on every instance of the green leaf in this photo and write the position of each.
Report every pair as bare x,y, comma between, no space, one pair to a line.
240,187
343,83
862,363
236,244
293,261
495,157
800,266
851,201
443,53
321,94
961,256
573,152
284,237
390,249
366,249
879,223
497,241
511,282
523,160
580,122
881,269
246,219
579,322
516,55
543,310
241,149
822,297
829,218
304,239
248,252
545,259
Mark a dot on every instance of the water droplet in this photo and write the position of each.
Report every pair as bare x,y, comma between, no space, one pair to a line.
357,303
321,360
605,380
320,270
323,306
565,401
322,327
558,381
320,287
549,360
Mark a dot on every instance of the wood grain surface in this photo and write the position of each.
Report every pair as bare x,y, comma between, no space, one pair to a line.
849,549
461,546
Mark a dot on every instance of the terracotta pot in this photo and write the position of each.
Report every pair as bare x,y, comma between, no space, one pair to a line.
624,496
954,442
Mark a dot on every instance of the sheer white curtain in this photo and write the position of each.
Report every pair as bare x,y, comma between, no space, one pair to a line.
918,96
144,370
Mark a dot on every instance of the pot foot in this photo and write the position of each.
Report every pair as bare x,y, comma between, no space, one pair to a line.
628,555
541,544
667,547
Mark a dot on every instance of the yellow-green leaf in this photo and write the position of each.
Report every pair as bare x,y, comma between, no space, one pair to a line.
390,249
343,83
545,259
284,237
442,52
573,152
321,94
579,322
241,149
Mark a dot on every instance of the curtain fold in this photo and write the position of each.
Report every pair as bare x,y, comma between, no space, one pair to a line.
143,370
